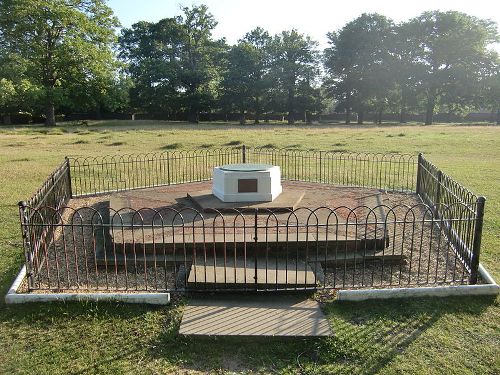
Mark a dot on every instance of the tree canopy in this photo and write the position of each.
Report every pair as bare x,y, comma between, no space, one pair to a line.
63,48
65,55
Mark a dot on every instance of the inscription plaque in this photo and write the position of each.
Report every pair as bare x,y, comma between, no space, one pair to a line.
247,185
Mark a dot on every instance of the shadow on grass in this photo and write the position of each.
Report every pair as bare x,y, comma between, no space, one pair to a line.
367,337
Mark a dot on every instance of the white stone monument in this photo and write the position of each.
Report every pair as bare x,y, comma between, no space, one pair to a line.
247,182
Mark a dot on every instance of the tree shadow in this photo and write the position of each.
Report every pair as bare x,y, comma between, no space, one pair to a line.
367,336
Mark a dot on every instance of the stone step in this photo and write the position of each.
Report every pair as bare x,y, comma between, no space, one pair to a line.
149,243
241,272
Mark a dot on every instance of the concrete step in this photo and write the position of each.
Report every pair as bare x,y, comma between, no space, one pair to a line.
241,272
254,315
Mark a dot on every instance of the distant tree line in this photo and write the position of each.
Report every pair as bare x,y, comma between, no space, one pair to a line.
63,56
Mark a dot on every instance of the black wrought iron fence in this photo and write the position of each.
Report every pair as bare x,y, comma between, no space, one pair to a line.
93,175
173,250
431,238
393,172
439,191
36,213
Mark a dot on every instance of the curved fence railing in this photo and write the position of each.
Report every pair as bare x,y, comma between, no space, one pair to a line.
85,248
93,175
394,172
437,189
95,248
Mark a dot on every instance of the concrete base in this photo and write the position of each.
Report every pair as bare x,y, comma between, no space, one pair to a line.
237,183
261,316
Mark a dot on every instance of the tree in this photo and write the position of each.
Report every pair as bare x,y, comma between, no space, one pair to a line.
200,55
490,96
62,43
174,63
246,81
152,55
405,69
357,64
294,64
451,49
16,92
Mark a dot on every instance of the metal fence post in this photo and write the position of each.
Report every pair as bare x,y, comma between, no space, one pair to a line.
255,238
168,168
320,166
438,194
418,188
244,153
476,246
23,217
70,187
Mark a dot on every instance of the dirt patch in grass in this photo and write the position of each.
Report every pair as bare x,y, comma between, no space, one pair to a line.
233,143
172,146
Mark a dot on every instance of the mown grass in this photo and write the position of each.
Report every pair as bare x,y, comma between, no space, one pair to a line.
424,336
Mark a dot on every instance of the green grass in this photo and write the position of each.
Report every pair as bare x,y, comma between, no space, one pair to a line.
423,336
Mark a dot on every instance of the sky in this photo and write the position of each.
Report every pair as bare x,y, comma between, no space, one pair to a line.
312,17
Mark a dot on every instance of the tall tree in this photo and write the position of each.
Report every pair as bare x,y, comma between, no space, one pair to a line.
200,55
246,81
357,64
294,63
61,41
490,95
405,69
451,50
175,63
152,52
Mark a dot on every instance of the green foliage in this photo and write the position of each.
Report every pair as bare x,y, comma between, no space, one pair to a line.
59,55
246,83
451,58
64,47
437,59
174,63
294,70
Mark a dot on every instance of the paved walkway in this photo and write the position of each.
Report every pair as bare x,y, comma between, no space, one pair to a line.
252,315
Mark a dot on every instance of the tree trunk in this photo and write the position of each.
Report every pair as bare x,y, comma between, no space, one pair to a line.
380,112
50,115
308,117
498,116
6,119
98,114
243,118
348,109
429,114
402,112
193,116
402,115
291,114
361,117
257,111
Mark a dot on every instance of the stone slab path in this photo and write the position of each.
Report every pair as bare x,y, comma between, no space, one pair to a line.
254,315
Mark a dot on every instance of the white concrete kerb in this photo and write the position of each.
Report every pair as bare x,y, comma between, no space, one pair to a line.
13,297
491,288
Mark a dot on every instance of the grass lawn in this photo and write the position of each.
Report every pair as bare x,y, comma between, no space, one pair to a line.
423,336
